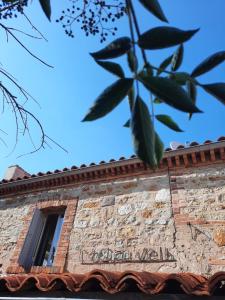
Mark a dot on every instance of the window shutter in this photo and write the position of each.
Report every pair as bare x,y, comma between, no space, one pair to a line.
31,240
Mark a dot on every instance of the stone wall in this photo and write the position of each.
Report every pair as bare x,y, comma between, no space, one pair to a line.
125,227
12,215
199,212
152,222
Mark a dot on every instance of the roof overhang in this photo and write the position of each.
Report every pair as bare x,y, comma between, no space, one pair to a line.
192,156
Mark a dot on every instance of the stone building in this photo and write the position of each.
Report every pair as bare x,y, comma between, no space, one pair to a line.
117,226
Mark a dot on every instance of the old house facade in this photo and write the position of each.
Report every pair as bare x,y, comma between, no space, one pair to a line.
119,216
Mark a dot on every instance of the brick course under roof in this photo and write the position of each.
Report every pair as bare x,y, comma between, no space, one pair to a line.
39,174
115,282
193,155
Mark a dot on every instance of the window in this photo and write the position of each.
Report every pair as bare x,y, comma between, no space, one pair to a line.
31,240
41,242
45,251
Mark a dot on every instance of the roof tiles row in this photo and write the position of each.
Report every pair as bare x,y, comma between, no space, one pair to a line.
115,282
39,174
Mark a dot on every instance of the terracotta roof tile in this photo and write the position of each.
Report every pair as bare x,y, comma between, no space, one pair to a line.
114,282
207,142
122,158
222,138
83,166
194,144
181,147
74,167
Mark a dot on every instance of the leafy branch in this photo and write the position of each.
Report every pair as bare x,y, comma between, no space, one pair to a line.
176,89
167,84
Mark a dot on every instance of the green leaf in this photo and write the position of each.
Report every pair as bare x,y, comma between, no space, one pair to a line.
164,37
177,58
127,124
111,67
164,64
216,89
169,122
115,49
192,92
144,73
154,7
209,63
180,77
132,61
169,92
157,101
159,147
46,7
131,95
148,70
143,133
109,99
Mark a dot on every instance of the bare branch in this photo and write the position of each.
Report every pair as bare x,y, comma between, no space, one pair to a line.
23,46
34,27
25,33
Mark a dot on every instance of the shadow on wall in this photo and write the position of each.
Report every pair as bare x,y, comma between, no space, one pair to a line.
104,296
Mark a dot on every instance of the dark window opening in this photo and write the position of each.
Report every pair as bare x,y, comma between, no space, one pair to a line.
40,245
47,244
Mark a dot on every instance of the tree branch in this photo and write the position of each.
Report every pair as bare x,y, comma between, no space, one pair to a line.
23,46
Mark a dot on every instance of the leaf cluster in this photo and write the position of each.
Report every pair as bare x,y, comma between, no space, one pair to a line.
11,8
174,88
93,17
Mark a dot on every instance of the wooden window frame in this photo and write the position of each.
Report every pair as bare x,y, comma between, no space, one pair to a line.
63,244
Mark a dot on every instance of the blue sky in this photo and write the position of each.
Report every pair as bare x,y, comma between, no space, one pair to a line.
67,91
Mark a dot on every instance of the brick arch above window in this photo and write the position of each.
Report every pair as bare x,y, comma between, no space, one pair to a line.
49,206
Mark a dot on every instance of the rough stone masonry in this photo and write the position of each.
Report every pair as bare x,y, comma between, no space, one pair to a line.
171,220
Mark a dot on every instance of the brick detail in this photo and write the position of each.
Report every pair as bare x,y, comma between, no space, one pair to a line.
218,262
62,248
212,155
222,153
177,185
175,201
